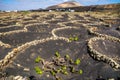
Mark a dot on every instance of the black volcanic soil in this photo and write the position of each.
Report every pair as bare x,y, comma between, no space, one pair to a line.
92,69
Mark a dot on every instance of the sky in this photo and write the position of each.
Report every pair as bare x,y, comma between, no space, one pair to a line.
36,4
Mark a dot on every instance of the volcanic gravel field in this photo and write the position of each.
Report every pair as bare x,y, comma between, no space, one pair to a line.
25,36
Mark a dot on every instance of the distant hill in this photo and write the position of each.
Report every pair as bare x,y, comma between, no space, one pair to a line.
111,7
65,5
79,8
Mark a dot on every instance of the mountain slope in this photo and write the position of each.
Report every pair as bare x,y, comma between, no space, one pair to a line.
65,5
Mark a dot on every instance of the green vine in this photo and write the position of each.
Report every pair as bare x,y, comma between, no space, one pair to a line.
58,65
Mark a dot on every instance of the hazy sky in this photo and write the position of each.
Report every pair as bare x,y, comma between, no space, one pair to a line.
35,4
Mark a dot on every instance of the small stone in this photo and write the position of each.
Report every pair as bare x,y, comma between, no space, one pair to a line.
107,25
118,78
25,78
48,75
100,79
18,65
15,50
32,78
10,77
118,28
111,79
17,77
21,78
98,58
26,69
11,55
112,64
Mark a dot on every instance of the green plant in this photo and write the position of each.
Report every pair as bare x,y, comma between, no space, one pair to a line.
65,72
53,72
38,70
57,54
77,61
38,59
74,38
71,39
67,56
64,67
71,61
80,71
58,70
72,69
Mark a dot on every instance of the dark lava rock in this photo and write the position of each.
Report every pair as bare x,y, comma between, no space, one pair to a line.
25,59
32,78
100,79
118,78
118,28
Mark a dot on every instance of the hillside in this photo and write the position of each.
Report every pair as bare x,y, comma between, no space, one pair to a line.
65,5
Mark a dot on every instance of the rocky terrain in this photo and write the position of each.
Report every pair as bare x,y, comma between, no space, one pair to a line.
92,37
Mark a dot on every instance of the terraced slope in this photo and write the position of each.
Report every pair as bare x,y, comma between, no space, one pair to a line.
25,36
